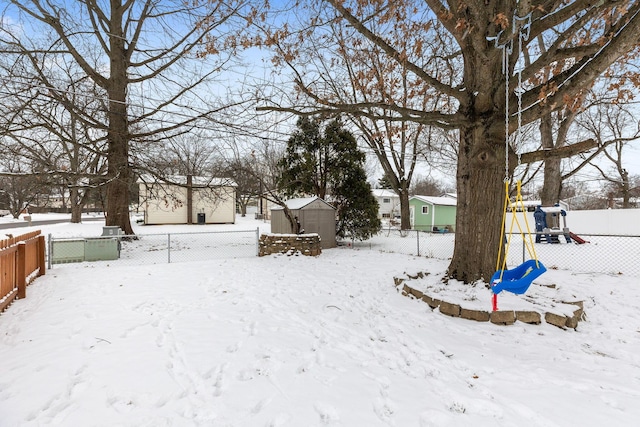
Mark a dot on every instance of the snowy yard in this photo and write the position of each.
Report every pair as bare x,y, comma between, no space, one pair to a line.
304,341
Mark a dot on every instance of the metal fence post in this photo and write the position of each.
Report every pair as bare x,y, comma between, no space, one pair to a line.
49,246
168,248
418,240
257,241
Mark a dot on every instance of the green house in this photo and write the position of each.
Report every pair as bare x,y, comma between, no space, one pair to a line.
437,214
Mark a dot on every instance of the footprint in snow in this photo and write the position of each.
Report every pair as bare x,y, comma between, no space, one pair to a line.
384,409
280,420
328,414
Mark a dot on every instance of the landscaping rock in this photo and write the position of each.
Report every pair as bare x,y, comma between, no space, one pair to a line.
530,317
449,309
416,293
432,302
555,319
503,317
477,315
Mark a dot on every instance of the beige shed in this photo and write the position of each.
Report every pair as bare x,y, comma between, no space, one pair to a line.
188,200
315,216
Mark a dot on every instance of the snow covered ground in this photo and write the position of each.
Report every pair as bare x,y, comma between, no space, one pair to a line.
304,341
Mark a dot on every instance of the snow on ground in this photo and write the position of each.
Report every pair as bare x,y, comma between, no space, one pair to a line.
304,341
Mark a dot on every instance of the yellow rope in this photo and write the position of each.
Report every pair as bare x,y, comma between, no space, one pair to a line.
527,239
507,202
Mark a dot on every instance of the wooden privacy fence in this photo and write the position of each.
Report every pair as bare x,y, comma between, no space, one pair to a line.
22,259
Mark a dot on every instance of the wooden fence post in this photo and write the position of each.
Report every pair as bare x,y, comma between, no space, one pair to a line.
41,255
21,273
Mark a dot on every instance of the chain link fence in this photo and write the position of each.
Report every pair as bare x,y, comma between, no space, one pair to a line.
608,254
154,248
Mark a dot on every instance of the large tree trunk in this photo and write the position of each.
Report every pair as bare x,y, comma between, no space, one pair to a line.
550,194
480,198
76,206
552,184
480,175
118,172
626,192
405,217
117,203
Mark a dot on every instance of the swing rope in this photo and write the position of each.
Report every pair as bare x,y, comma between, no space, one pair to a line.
527,236
518,279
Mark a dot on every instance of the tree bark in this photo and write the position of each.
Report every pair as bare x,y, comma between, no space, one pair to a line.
405,217
118,172
76,206
189,199
552,184
480,197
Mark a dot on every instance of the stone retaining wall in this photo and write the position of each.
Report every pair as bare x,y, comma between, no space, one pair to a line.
305,244
500,317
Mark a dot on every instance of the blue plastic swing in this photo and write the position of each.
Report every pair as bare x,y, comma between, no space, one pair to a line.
517,280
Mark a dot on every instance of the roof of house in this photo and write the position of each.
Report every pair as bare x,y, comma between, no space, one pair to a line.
439,201
200,181
300,203
384,192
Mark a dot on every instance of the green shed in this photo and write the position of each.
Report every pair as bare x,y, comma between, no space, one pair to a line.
437,214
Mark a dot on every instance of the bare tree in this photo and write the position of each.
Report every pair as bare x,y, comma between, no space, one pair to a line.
194,154
66,149
427,186
469,57
18,187
137,53
614,126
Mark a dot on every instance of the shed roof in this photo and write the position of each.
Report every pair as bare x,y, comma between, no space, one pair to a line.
300,203
438,201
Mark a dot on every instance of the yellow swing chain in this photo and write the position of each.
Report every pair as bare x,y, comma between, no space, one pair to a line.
519,202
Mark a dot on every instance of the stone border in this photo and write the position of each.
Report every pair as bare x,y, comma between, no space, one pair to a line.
500,317
305,244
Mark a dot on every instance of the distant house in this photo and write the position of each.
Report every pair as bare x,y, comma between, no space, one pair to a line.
315,216
429,213
388,203
188,200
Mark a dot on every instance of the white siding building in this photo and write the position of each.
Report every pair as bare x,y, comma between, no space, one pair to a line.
180,200
388,202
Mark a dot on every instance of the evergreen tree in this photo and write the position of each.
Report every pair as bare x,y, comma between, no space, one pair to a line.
304,165
385,182
329,165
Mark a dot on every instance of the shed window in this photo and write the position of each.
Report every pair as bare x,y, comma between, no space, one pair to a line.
425,210
386,200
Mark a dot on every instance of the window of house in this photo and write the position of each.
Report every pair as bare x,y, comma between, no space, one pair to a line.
386,215
425,210
386,200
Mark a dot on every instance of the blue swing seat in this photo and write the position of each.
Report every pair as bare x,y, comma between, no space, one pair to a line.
517,280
